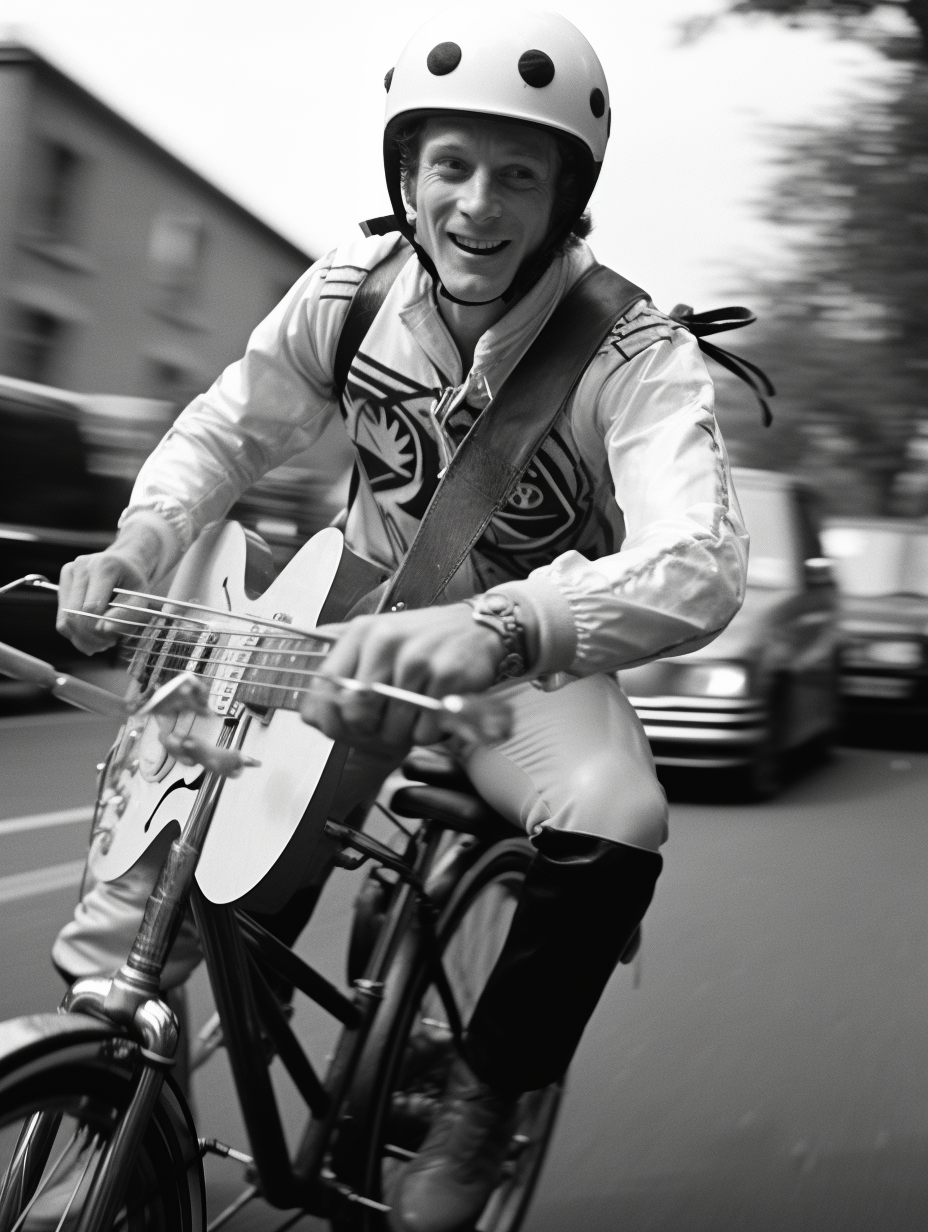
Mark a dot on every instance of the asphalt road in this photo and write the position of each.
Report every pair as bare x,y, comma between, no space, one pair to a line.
767,1073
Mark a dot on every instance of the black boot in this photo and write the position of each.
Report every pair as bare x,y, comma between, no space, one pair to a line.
579,910
447,1185
578,913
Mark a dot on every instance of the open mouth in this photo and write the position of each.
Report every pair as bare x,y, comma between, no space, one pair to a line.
478,248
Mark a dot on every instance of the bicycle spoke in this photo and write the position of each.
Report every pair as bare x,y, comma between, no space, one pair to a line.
233,1208
65,1213
65,1110
46,1182
151,1192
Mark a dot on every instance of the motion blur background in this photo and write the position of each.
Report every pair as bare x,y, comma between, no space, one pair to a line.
773,152
169,167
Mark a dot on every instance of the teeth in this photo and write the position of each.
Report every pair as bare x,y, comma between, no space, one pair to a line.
477,245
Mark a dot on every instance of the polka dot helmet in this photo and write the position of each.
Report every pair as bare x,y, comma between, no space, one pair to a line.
519,64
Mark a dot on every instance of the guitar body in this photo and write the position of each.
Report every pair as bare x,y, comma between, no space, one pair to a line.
268,821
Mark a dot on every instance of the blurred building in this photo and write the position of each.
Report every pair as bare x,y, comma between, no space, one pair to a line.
127,283
122,271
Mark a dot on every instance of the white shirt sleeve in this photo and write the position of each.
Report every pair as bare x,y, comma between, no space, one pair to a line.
680,574
273,403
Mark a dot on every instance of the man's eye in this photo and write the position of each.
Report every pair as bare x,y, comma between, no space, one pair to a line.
522,176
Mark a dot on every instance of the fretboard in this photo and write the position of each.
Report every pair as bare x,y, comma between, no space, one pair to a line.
251,667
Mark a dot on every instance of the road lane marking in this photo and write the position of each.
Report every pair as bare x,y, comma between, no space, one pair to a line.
42,821
41,881
52,719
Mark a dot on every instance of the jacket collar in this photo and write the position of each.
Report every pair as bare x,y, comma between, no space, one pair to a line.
503,345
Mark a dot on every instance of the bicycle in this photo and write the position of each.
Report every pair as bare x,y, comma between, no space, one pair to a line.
93,1081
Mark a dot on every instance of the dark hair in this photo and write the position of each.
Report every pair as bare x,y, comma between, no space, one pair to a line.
407,139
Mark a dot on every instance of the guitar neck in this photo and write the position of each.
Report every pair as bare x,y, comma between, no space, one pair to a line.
253,668
243,661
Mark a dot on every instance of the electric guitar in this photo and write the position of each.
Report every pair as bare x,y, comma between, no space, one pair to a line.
245,643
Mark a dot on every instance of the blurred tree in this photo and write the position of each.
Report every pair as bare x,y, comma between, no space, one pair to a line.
850,17
844,333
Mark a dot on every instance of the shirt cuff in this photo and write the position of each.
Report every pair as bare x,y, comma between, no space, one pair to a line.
170,543
168,519
553,619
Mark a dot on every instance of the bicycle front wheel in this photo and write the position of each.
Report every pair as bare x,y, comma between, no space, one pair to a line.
59,1110
402,1075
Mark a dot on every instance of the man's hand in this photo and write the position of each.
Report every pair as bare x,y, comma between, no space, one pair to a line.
434,650
87,585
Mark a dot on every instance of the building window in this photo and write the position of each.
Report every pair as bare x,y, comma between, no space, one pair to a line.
175,257
55,216
35,345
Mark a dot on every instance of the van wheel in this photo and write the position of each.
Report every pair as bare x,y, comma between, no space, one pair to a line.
763,778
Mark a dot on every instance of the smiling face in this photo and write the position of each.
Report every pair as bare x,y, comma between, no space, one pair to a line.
482,198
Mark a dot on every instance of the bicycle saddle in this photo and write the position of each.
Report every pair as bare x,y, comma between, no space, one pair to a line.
447,797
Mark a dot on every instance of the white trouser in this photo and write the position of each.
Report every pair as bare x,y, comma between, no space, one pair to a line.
577,759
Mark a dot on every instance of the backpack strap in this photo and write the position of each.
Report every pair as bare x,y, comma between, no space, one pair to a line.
718,321
364,306
503,440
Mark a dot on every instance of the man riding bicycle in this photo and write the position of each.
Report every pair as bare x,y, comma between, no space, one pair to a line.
622,542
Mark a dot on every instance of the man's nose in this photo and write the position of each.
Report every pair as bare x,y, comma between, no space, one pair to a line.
480,199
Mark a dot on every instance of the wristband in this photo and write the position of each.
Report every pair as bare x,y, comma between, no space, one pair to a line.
501,614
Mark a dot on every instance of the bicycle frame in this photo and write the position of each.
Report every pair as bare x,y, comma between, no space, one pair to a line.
238,952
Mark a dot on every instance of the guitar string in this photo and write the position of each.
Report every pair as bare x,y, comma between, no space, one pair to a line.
168,600
170,636
164,670
173,648
204,607
205,626
223,674
134,642
343,682
284,634
204,637
231,667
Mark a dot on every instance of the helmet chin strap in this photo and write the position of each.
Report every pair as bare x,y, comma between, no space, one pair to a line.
526,276
466,303
524,280
429,266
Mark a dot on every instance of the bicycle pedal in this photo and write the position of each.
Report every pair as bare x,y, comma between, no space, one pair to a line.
348,1197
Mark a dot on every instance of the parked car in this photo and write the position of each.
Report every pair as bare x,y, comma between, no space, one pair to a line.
768,683
52,507
67,464
881,567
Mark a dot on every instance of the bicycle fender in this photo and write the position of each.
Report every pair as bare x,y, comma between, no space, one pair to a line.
27,1039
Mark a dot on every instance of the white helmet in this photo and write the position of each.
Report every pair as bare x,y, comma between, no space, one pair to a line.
518,64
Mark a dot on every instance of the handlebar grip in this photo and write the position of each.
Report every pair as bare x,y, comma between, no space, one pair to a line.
21,666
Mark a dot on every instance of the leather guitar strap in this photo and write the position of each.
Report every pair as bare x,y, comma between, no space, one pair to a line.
502,442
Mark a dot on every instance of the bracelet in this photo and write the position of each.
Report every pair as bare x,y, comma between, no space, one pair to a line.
501,614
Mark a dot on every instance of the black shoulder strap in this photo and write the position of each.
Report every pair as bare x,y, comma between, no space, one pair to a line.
718,321
505,437
363,308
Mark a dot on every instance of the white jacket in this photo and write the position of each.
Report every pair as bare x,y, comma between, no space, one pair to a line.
624,538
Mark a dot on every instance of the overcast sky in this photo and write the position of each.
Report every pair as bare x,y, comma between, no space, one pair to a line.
280,103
